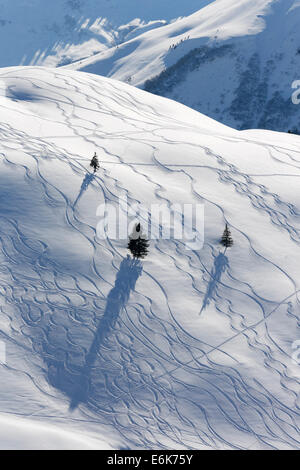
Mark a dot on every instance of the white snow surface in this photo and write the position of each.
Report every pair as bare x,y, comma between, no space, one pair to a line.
234,61
25,434
185,349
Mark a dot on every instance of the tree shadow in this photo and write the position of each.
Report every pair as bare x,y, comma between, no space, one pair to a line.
88,179
220,264
127,276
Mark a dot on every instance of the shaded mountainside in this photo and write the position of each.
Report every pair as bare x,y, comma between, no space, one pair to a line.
188,348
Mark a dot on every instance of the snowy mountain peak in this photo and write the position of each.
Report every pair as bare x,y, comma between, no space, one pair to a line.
233,61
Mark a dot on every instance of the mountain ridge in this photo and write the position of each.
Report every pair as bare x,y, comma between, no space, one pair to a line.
250,86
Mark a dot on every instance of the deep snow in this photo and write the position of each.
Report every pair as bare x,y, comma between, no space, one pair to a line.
186,349
233,61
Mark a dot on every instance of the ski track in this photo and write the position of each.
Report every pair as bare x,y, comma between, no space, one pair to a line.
146,392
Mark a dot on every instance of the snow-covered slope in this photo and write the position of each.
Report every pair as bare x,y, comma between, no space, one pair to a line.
233,61
186,349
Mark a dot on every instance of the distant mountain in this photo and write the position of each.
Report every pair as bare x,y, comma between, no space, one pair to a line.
234,61
70,30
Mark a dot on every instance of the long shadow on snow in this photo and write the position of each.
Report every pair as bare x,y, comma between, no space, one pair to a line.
88,179
128,274
220,264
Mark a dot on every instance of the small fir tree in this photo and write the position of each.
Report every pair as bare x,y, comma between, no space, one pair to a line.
138,244
226,239
95,163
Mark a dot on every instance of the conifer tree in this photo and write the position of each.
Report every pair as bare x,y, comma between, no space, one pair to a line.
138,244
95,163
226,239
